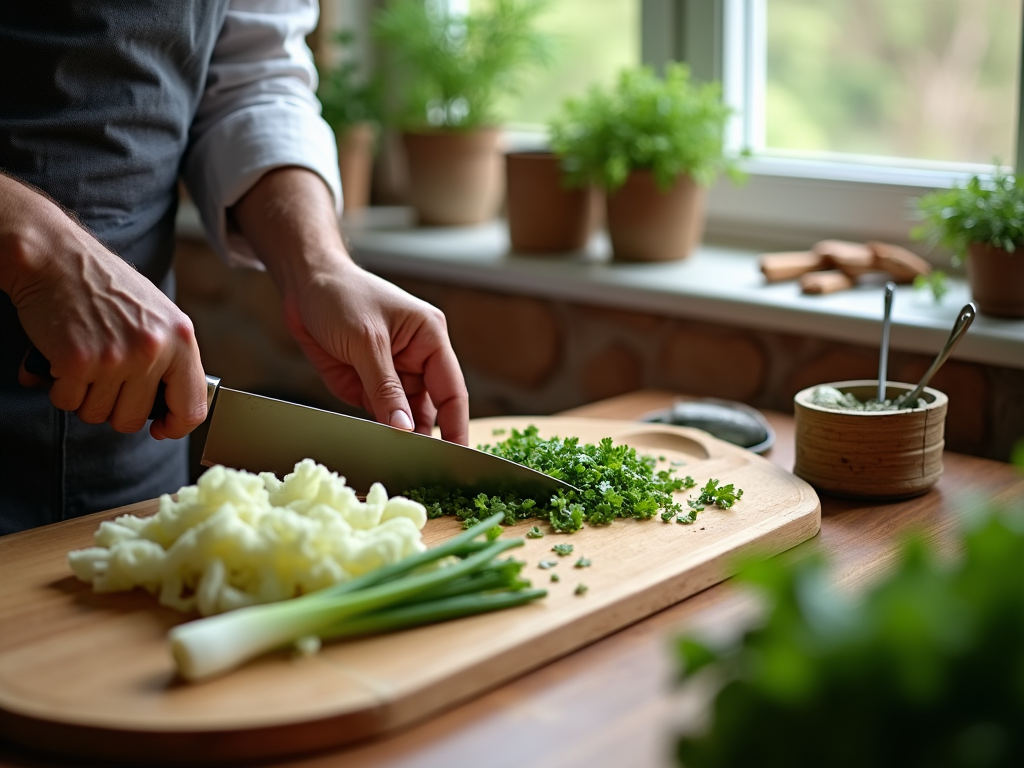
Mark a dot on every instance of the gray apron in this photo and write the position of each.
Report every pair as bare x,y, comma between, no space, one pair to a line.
96,100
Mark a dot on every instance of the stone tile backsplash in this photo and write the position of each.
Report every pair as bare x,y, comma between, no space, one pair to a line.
523,355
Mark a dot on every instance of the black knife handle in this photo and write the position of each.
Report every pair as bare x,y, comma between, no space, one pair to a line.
39,366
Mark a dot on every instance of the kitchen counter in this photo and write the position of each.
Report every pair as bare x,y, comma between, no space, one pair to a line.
611,704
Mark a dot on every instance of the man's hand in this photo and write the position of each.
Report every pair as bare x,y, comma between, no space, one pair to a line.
110,335
373,344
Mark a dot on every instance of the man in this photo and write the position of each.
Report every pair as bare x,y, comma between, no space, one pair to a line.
103,104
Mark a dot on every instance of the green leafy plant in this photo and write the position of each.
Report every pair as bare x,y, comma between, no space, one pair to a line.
925,669
984,210
450,69
347,97
935,281
669,126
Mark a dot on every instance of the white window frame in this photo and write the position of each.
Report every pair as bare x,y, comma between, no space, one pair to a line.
787,203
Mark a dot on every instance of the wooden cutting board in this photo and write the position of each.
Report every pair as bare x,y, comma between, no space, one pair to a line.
91,675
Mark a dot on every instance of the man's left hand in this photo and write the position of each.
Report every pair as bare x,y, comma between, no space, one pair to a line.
373,344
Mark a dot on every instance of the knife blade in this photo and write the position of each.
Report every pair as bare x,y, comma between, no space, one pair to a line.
262,434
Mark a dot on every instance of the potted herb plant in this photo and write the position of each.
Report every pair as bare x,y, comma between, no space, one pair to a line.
447,72
982,222
350,106
653,144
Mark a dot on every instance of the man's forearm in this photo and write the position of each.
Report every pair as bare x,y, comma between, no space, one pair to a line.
288,218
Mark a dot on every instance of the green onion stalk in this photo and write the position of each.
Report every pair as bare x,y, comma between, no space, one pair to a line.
404,594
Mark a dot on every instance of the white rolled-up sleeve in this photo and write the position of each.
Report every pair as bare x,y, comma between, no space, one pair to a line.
258,112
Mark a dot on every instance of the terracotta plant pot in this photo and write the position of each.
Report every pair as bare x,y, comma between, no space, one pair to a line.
455,178
543,215
646,224
870,454
997,280
355,161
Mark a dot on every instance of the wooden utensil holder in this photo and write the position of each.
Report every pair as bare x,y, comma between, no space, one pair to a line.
870,454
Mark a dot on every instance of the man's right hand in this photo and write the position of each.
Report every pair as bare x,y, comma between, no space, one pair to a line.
110,335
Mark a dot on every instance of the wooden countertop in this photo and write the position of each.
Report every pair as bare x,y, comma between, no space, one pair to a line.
611,703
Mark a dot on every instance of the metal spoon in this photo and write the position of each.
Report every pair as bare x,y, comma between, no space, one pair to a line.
883,355
963,322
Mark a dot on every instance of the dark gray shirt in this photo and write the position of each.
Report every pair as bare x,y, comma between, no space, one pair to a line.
95,109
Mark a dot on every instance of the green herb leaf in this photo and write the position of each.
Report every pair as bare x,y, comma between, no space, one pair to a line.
581,589
535,533
545,564
582,563
562,549
936,282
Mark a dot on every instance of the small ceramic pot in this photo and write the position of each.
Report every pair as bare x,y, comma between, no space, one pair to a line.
544,216
355,162
870,454
997,280
455,177
648,224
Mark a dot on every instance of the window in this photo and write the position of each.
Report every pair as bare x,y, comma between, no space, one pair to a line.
594,41
851,108
918,82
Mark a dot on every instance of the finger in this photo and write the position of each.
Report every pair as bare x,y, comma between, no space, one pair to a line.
133,405
185,395
423,411
99,400
67,393
27,379
447,389
376,370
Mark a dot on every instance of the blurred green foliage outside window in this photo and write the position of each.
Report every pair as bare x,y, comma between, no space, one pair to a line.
596,39
931,80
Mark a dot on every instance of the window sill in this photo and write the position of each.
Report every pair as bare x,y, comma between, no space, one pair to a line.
717,284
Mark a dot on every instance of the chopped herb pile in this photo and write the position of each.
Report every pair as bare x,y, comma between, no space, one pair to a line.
613,482
562,549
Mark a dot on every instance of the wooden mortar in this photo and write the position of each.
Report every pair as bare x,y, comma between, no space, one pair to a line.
870,454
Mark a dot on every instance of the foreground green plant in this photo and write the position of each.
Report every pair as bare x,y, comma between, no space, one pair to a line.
926,669
669,126
613,482
984,210
420,589
449,69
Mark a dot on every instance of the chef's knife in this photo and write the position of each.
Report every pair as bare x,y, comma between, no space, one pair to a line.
261,434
